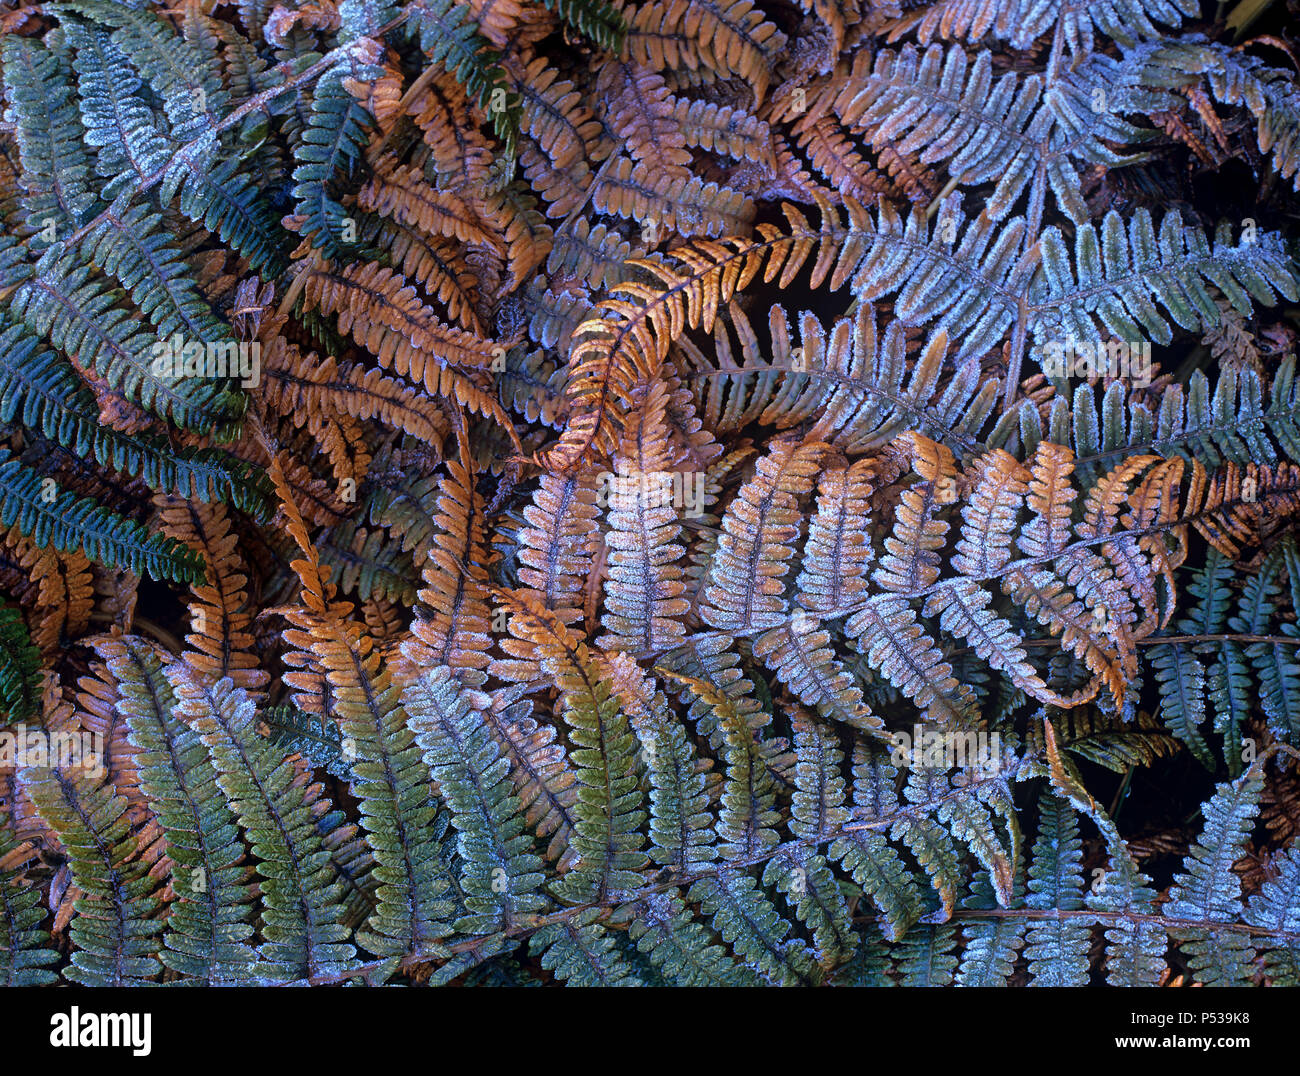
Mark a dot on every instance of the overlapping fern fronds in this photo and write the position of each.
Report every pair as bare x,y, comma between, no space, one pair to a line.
685,493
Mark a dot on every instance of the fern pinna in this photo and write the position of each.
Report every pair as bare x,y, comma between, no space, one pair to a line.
705,494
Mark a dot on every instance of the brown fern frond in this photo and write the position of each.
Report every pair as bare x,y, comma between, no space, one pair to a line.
401,192
1239,508
312,15
724,130
832,154
99,713
437,264
630,343
730,38
456,630
220,615
64,596
639,109
499,20
382,96
746,577
381,310
838,552
383,314
461,154
561,136
527,236
308,390
662,201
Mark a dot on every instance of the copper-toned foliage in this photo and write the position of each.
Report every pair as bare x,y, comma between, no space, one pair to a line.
694,492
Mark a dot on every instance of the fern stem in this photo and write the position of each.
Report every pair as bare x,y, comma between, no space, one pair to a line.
1058,914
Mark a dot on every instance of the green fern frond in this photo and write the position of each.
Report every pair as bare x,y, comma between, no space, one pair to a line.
391,779
580,952
1208,890
42,389
1276,908
991,946
319,741
1122,276
368,565
20,668
301,895
1276,664
208,923
866,853
595,19
117,936
82,314
332,143
500,875
1181,678
679,947
58,518
1239,419
1234,77
55,165
1057,950
750,923
25,953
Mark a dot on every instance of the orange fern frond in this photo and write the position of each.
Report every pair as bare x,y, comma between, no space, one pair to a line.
220,614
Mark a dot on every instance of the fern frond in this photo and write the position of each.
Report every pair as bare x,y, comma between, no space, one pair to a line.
666,931
681,827
728,39
456,631
20,668
317,740
643,595
61,519
208,923
333,140
555,555
446,35
750,923
745,577
500,875
1236,78
275,802
80,313
1123,276
948,107
25,953
866,854
1057,951
219,615
1021,22
55,164
608,812
582,953
1274,908
1208,890
391,780
540,771
116,936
